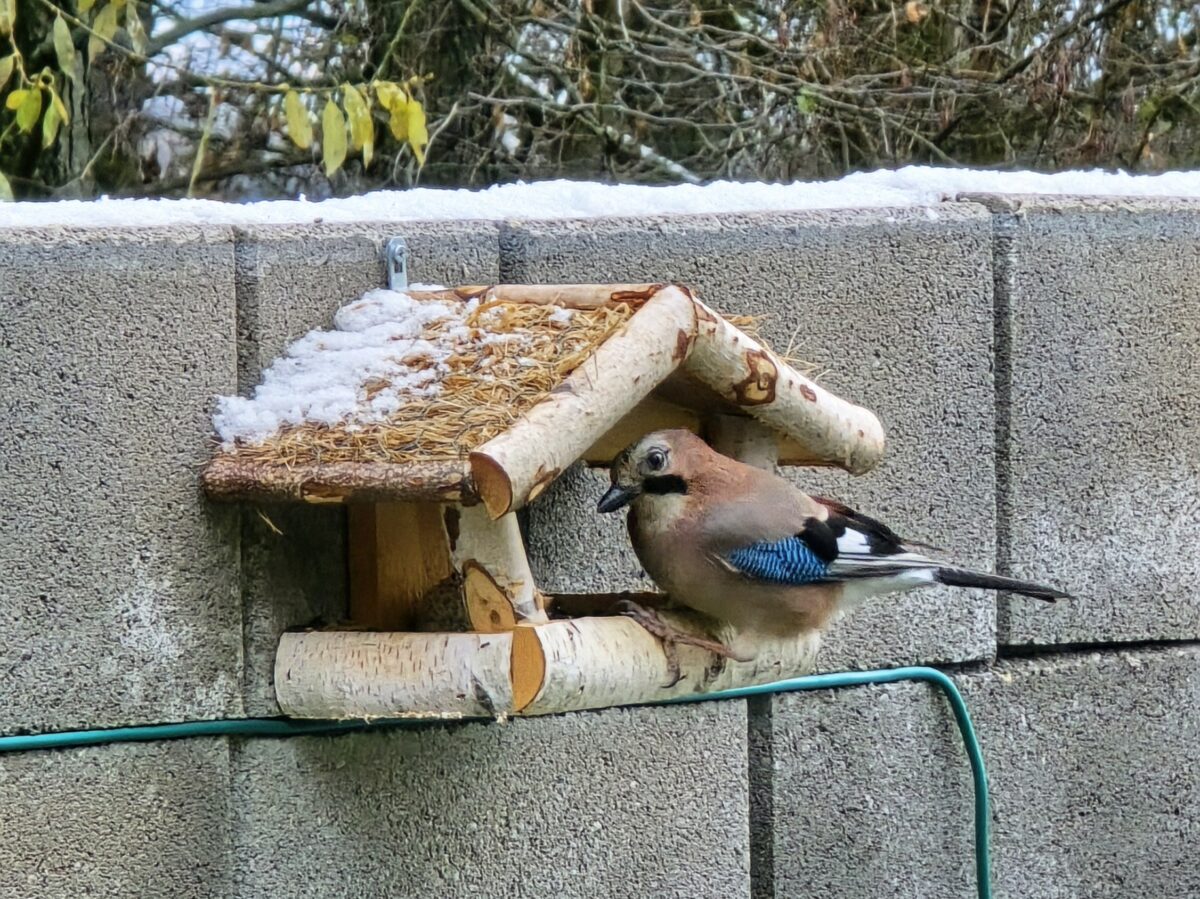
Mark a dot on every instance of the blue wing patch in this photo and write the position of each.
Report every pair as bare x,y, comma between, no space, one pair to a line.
788,561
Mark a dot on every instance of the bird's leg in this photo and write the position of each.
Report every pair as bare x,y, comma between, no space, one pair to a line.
670,637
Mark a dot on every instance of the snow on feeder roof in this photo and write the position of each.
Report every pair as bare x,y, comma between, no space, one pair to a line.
488,393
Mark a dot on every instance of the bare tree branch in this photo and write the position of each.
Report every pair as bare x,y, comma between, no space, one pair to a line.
207,20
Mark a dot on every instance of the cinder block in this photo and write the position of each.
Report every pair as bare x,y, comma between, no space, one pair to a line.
144,819
1091,762
1100,470
119,600
619,803
894,308
291,279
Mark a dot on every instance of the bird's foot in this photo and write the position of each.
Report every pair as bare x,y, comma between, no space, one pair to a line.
671,637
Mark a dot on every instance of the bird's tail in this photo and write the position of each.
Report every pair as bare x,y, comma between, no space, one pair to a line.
959,577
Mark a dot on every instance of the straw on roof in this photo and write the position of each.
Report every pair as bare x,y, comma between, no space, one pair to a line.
506,359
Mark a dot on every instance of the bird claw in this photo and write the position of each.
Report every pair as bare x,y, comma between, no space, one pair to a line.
670,637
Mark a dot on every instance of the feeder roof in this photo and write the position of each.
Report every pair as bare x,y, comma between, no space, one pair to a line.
488,393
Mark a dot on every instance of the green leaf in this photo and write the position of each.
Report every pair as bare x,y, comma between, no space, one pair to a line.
8,16
64,47
299,127
806,103
6,69
50,125
29,111
86,5
135,29
6,194
333,137
15,99
105,28
418,132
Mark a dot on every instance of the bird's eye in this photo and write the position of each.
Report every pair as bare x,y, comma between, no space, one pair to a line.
656,459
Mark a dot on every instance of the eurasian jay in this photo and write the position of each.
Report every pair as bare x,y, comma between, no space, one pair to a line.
743,545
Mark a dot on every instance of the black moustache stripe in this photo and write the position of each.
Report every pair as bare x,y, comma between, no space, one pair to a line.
664,483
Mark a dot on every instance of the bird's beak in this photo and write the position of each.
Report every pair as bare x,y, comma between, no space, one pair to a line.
616,498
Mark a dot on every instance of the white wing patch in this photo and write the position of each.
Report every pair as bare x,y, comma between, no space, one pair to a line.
853,542
855,556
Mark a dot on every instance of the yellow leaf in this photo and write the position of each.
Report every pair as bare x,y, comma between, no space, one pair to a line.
298,125
29,111
50,126
59,106
362,126
418,133
387,93
6,69
135,29
105,27
85,5
398,123
6,194
358,114
64,47
15,99
333,137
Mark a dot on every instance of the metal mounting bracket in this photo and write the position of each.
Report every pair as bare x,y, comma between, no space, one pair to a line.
396,260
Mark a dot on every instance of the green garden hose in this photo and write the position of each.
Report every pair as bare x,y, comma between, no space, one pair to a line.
287,727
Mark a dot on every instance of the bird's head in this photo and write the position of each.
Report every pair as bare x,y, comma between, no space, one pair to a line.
658,464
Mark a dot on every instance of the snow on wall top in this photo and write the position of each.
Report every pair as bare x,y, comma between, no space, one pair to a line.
906,187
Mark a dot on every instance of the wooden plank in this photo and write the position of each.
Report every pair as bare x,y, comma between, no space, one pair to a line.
745,439
398,551
229,478
651,414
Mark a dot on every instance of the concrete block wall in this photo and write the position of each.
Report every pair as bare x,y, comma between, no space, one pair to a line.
1034,363
119,597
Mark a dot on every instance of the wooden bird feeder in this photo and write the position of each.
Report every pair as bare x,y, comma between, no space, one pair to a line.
429,518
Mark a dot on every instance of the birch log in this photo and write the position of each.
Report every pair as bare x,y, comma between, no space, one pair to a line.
359,674
581,663
588,663
744,372
498,586
571,296
516,466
